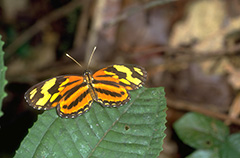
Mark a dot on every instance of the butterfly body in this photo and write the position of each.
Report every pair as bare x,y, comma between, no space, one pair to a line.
73,95
89,79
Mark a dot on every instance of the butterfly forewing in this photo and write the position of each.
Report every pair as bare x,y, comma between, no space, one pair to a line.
129,76
112,83
45,95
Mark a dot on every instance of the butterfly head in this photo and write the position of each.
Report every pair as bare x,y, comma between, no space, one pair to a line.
86,73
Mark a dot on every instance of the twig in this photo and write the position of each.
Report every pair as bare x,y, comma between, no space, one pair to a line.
196,107
40,25
131,11
178,50
61,12
95,28
81,31
179,63
184,56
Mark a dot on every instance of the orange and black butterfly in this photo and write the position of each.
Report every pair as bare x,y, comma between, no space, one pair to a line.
73,95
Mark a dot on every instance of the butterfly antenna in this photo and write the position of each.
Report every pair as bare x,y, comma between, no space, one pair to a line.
90,59
73,59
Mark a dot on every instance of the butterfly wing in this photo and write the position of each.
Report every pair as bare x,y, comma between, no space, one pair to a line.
112,83
76,99
71,94
45,95
68,93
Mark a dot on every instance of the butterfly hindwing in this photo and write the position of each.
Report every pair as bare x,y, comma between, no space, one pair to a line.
112,83
75,100
110,93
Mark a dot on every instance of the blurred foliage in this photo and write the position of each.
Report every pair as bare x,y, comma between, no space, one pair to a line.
209,136
3,81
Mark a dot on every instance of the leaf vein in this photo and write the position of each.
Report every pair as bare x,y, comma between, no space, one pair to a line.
91,128
83,136
119,151
72,139
130,104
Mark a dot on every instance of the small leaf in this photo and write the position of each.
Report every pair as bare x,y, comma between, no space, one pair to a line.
230,149
204,154
200,131
133,130
3,81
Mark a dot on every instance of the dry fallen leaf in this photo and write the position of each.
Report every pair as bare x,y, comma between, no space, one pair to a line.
234,76
205,25
234,111
204,20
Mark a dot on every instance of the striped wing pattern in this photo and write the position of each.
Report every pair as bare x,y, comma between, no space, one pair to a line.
112,83
45,95
74,95
75,98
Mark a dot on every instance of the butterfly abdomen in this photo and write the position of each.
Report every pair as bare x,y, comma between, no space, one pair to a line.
89,79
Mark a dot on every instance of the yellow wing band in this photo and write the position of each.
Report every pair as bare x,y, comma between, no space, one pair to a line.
128,72
46,95
33,92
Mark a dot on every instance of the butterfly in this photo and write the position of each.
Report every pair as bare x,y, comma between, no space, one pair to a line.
73,95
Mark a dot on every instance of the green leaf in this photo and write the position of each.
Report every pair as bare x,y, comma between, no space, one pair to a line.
204,154
3,81
200,131
133,130
231,148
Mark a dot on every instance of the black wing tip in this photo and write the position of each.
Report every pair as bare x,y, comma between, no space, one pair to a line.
144,77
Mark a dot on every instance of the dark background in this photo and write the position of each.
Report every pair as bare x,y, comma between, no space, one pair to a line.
190,47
